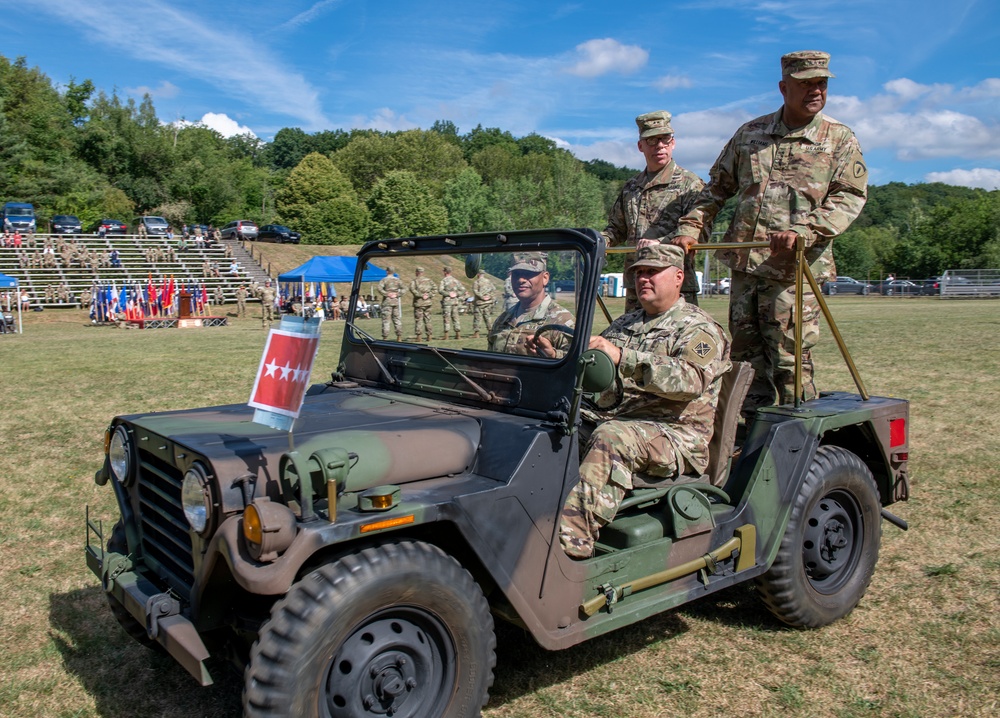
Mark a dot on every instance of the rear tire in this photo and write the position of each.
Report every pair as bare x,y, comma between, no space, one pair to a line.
828,553
396,630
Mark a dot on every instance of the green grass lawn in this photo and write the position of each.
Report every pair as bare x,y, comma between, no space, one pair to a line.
925,641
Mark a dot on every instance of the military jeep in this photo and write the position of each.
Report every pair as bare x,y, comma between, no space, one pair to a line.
355,565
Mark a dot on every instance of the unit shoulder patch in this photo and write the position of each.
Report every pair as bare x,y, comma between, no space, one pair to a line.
702,349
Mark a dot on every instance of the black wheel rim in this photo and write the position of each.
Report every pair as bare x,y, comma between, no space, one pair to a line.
399,663
833,541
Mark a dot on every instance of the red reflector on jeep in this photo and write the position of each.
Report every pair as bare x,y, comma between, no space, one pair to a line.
897,433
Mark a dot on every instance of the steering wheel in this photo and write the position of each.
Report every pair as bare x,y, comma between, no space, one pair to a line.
561,328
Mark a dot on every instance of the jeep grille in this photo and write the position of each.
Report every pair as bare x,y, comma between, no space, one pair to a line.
166,543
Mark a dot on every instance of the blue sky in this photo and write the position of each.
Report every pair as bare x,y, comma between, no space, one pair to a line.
918,81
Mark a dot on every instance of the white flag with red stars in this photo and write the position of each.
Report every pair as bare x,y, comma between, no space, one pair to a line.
283,375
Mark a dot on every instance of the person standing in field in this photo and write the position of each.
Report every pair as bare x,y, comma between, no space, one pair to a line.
649,205
798,174
422,288
452,292
390,287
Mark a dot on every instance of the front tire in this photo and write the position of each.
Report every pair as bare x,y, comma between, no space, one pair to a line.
828,553
396,630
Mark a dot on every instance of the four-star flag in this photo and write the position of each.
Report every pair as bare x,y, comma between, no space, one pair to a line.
283,375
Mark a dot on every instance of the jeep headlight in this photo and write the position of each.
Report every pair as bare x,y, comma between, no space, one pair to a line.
120,455
196,498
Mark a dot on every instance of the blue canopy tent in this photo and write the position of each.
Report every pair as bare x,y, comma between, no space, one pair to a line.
10,283
330,270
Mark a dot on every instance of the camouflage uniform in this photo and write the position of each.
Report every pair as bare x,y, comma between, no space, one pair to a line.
266,305
451,291
511,328
391,289
509,298
657,419
219,297
241,302
648,208
482,303
650,204
422,288
812,181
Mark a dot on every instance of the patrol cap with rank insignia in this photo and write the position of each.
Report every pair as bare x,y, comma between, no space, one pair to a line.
654,123
529,262
656,255
806,64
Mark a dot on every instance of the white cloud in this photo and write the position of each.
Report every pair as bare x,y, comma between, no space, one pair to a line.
309,15
242,70
224,125
979,177
165,91
673,82
601,57
384,120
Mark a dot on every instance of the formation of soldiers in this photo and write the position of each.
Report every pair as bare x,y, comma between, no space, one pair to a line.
423,290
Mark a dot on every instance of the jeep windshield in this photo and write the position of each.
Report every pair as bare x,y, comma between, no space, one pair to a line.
472,316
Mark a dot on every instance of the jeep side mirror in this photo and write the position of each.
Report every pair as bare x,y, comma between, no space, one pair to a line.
599,371
473,263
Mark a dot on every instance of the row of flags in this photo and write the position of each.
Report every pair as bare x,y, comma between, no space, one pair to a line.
135,301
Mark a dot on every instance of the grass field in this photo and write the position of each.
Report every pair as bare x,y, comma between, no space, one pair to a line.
925,641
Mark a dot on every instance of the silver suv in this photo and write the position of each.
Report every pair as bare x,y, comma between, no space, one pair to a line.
240,229
155,226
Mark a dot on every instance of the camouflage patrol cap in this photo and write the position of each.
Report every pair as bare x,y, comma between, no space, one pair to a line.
529,262
654,123
419,270
388,269
656,255
806,64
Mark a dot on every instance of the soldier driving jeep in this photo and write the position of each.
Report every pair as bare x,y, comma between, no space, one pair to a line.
658,417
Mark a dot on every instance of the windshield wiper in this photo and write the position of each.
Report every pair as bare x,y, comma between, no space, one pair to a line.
362,334
483,394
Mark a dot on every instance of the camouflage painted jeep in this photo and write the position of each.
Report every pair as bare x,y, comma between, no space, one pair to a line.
356,566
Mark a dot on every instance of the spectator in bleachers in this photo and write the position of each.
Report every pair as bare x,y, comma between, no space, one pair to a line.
214,268
114,258
182,244
206,269
218,297
64,293
343,305
234,267
50,294
85,298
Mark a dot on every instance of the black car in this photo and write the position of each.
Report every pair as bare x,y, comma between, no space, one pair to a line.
111,226
277,233
66,224
897,288
846,285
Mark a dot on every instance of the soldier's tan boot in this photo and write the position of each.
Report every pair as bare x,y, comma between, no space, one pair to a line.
458,336
399,337
476,335
418,339
444,337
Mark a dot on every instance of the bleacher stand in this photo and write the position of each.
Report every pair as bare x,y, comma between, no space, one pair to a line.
68,266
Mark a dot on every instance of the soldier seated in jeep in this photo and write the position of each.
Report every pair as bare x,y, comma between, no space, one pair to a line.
512,331
654,424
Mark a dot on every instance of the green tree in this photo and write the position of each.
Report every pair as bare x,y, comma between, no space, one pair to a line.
401,206
468,204
431,157
319,202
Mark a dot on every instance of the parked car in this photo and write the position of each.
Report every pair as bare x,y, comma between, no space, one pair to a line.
846,285
111,226
933,286
277,233
240,229
897,287
66,224
155,226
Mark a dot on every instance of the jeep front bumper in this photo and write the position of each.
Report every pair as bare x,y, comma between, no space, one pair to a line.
158,612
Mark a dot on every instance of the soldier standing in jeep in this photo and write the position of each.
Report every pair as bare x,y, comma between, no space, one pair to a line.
657,418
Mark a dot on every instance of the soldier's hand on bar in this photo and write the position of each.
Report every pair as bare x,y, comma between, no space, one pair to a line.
782,241
607,347
685,243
